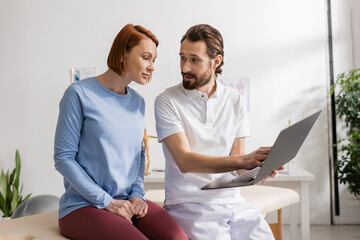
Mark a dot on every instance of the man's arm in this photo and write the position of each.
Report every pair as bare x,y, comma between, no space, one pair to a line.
238,148
188,161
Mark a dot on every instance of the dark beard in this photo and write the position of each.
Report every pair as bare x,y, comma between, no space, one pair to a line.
199,82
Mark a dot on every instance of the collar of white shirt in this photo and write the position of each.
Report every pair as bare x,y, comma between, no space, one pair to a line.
197,94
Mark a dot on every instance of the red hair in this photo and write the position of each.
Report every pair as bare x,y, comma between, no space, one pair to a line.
127,38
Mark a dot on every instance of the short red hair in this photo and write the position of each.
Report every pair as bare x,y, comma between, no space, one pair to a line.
127,38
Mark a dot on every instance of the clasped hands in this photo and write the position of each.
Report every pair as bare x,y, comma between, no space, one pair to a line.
128,208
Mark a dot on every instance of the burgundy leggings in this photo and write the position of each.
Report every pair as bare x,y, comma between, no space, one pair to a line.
98,224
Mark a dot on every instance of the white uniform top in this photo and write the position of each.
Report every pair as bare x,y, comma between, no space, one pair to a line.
210,125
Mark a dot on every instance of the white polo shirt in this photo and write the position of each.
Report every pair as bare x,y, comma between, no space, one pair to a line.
210,126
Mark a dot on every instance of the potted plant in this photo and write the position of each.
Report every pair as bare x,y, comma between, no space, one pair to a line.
347,103
10,195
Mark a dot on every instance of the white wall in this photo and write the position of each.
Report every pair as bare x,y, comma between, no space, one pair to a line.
281,45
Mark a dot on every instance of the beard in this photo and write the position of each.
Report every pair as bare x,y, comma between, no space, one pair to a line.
198,81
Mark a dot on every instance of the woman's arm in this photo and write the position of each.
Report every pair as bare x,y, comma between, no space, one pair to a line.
137,189
67,137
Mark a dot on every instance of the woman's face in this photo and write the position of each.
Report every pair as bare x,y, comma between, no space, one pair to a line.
139,61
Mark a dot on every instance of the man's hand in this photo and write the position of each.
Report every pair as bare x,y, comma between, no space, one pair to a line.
123,208
255,158
273,174
140,207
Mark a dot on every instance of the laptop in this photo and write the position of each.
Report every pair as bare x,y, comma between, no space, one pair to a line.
284,149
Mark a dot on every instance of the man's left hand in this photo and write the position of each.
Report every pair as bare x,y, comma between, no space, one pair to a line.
273,174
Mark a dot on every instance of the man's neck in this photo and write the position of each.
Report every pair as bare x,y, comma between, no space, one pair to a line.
209,88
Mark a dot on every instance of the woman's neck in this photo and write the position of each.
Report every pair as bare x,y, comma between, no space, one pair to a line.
114,82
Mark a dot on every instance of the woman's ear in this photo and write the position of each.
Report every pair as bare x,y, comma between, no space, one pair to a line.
123,58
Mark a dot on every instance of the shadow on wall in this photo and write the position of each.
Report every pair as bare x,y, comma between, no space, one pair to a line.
308,102
277,54
314,153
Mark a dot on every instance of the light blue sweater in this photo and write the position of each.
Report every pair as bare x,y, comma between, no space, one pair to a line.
99,145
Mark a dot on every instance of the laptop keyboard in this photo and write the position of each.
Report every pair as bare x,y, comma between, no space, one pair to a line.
247,176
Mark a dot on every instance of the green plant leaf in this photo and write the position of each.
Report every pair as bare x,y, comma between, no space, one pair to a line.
18,169
14,201
12,176
3,185
347,103
10,196
3,207
7,185
26,198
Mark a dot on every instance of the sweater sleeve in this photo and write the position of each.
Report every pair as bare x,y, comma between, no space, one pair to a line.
137,189
67,137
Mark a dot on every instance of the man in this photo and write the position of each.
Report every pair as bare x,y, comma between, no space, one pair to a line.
202,125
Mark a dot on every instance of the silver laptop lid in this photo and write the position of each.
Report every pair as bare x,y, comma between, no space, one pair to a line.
286,145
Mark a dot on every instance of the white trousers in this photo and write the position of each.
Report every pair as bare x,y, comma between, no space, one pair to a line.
236,221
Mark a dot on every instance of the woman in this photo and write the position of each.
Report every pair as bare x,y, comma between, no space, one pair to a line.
99,149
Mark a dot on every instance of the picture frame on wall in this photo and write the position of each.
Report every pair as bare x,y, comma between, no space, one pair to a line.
240,84
80,73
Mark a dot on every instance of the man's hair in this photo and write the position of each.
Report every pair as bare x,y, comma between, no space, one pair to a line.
127,38
213,39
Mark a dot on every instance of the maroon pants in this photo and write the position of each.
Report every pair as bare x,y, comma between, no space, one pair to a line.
98,224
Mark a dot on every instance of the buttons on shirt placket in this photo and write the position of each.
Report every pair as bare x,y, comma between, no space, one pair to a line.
209,117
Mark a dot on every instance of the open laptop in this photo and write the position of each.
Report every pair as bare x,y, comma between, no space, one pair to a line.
285,148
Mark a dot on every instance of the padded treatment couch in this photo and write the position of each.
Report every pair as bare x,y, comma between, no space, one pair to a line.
44,226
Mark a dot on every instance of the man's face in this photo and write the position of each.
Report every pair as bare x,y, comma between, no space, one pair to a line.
196,65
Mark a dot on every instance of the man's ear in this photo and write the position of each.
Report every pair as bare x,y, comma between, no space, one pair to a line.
217,61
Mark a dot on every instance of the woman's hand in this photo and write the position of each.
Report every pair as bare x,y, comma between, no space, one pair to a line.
140,207
123,208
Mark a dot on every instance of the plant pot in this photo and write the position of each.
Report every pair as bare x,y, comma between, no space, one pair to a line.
5,218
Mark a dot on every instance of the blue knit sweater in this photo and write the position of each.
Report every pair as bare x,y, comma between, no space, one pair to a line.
98,145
